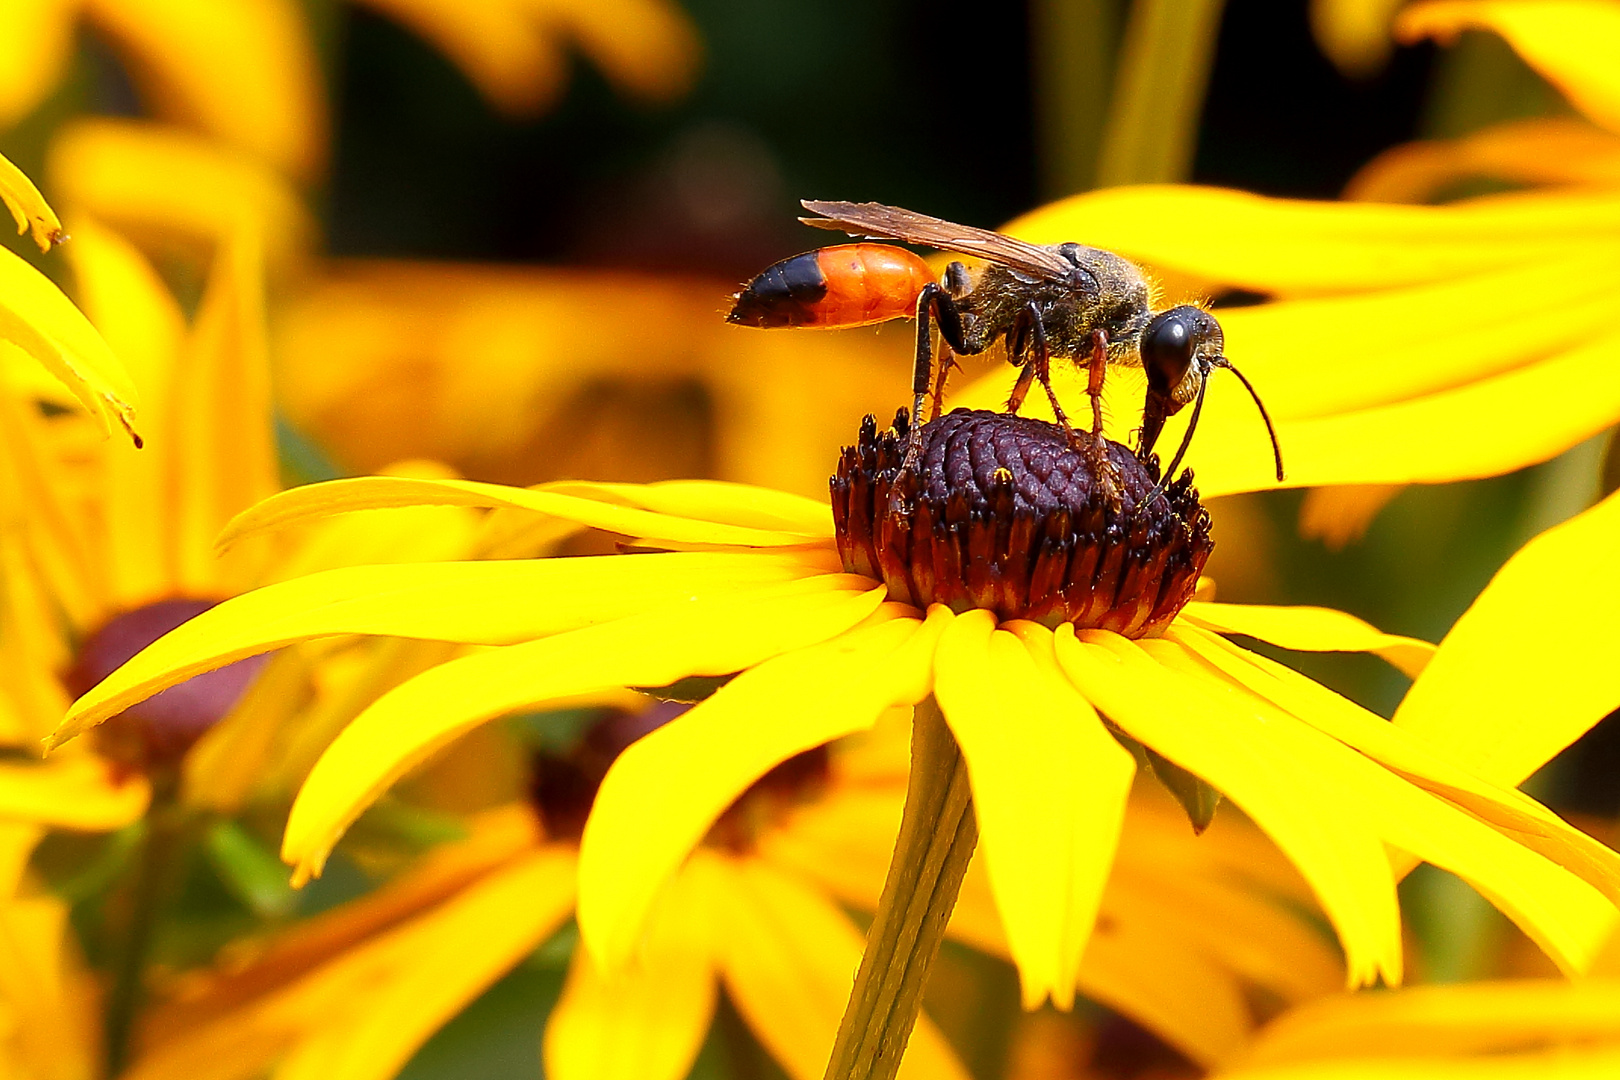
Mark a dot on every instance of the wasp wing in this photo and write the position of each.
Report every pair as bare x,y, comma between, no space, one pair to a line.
892,223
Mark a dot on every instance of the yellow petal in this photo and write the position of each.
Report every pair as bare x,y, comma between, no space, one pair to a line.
1310,629
75,793
223,422
172,191
1545,150
1562,1063
1339,516
648,1020
1338,853
1566,916
487,603
37,318
243,73
134,310
513,49
710,500
1049,789
1426,439
702,636
1355,34
377,492
788,956
667,789
1571,43
1529,666
28,207
363,1014
1512,812
1297,248
38,42
1472,1018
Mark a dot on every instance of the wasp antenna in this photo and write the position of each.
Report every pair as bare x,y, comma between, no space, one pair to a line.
1181,451
1276,450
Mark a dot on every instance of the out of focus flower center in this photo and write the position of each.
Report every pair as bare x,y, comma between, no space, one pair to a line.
565,785
157,732
1001,513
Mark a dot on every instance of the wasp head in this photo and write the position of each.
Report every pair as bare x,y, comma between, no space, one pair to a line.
1180,347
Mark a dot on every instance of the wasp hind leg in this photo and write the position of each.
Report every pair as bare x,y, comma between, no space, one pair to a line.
934,305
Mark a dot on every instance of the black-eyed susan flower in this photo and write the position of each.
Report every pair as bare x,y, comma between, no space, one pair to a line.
762,590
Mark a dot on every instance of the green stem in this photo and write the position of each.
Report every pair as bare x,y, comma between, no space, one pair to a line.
937,834
1163,70
149,890
1072,45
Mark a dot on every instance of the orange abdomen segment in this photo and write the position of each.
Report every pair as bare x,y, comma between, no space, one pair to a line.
847,285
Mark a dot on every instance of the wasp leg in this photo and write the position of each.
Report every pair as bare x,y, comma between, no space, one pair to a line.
947,361
1109,480
934,305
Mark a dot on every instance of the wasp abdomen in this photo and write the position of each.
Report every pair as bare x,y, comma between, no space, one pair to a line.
847,285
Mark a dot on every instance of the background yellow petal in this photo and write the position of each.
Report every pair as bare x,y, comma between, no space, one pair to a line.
1570,43
1559,1064
422,715
1355,34
1476,1018
28,207
667,789
78,792
1530,665
223,423
1049,790
174,192
513,49
1552,150
1310,629
1338,853
121,292
645,1021
379,492
38,41
364,1013
788,956
489,603
243,73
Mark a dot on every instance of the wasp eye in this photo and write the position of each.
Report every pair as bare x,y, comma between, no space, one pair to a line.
1167,351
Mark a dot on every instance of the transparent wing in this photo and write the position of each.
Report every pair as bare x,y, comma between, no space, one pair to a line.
892,223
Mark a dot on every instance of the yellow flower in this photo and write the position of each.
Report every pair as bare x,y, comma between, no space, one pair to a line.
358,989
731,580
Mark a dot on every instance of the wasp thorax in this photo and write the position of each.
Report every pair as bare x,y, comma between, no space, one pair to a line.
155,734
1002,513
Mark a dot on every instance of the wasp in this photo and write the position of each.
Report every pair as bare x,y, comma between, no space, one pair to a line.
1068,301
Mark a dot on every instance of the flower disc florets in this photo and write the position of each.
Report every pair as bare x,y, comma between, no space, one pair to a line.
1002,513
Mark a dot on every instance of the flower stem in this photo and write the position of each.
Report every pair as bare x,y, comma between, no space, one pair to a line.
155,867
1161,75
937,834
